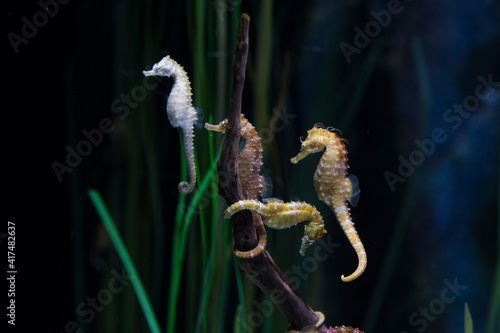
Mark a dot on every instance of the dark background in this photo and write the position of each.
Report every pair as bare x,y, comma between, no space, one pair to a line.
395,91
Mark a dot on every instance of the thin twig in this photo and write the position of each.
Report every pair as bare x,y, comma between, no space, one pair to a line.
261,270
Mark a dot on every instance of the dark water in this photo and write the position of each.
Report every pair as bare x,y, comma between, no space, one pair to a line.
414,87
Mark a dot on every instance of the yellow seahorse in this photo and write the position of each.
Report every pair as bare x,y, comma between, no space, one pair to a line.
180,112
280,215
333,187
252,182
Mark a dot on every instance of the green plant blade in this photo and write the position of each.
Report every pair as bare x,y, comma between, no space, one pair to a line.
238,319
241,294
180,244
469,325
175,275
494,307
127,261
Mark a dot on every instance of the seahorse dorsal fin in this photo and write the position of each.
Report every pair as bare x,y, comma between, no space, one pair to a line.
355,191
198,124
268,188
267,200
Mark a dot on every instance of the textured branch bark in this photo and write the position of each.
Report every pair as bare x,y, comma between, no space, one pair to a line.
261,270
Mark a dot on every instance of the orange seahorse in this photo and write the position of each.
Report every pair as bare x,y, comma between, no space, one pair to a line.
249,160
333,187
180,112
251,181
280,215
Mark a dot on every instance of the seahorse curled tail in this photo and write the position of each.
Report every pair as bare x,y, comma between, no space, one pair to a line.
188,142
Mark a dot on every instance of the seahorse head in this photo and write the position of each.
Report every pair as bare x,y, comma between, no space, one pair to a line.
316,141
165,67
315,230
222,127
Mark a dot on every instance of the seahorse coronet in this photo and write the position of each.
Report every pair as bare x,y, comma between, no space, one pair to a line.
332,184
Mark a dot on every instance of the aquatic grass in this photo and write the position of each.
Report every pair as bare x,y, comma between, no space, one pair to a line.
222,65
125,258
238,321
200,39
241,313
342,96
203,233
364,76
409,198
196,254
209,263
181,228
261,96
468,323
220,316
263,63
213,184
201,320
76,199
149,147
494,307
175,260
207,31
196,15
134,204
241,293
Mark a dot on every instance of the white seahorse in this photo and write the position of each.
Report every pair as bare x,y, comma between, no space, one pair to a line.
180,112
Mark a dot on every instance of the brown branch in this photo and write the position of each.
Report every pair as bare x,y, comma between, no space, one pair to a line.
261,270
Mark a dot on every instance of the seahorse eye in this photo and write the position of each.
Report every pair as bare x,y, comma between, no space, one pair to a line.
164,71
302,139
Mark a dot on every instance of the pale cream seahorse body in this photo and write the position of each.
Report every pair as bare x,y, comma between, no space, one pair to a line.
180,112
251,181
280,215
333,187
